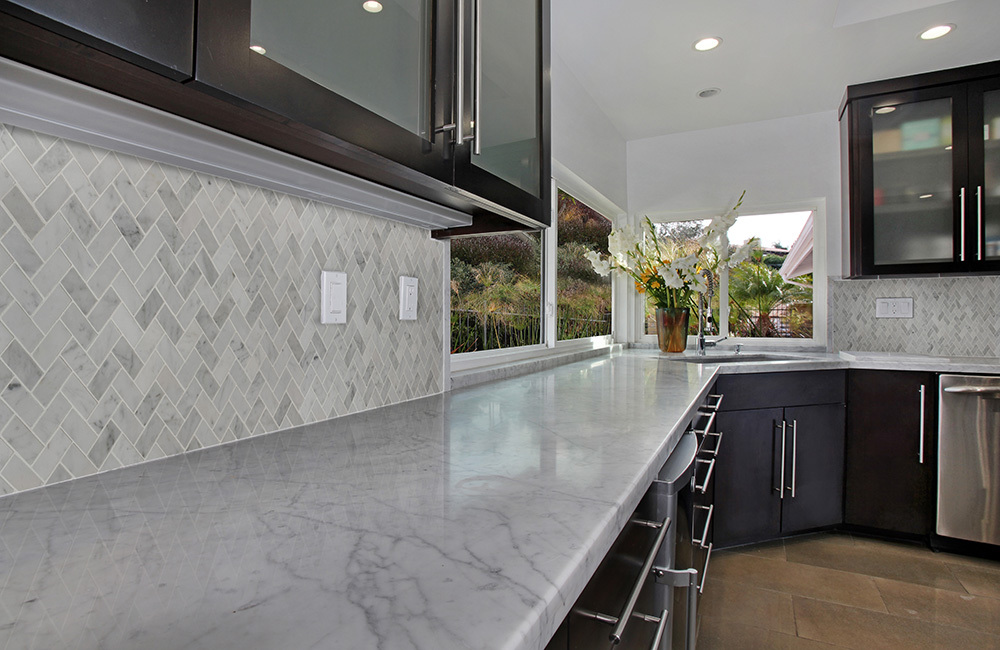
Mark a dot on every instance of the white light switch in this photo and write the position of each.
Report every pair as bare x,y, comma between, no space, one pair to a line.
333,303
894,308
407,298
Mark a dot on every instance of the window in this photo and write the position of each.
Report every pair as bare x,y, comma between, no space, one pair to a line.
496,292
770,295
583,298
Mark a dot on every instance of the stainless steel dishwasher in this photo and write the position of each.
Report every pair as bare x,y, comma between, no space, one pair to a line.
968,497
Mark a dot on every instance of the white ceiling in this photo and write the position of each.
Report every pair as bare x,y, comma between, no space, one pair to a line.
778,57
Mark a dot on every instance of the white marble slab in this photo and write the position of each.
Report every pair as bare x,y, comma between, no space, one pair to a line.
466,520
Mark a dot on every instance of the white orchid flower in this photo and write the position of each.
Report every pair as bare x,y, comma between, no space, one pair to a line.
621,243
601,266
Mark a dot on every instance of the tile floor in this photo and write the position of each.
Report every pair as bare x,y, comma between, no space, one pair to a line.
836,590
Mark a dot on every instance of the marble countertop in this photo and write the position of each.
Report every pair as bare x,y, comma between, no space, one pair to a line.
466,520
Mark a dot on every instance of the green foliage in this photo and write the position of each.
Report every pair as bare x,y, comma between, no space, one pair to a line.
755,292
572,263
519,250
580,224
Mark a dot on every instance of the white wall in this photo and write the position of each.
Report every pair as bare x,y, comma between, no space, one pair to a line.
779,162
585,142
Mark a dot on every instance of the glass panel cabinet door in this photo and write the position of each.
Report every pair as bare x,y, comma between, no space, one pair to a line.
377,55
509,135
913,188
988,194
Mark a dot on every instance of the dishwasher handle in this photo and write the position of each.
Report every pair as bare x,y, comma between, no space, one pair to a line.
981,391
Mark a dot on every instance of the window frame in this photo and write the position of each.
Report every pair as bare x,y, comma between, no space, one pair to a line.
819,337
465,361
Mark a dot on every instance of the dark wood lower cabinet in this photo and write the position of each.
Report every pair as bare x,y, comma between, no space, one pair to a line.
781,467
890,477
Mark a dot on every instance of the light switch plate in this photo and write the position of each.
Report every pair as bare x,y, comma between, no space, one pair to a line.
407,298
333,301
894,308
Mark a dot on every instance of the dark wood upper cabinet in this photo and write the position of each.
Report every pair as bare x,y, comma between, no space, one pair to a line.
431,86
155,34
922,173
446,100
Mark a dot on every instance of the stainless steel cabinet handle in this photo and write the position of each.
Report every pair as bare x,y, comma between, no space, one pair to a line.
477,141
795,453
660,629
616,635
718,443
708,522
716,405
711,421
961,201
979,221
782,483
704,571
708,475
459,130
920,454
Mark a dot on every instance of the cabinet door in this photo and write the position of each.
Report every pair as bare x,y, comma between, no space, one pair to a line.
747,474
912,185
155,34
363,79
984,168
889,482
507,158
814,467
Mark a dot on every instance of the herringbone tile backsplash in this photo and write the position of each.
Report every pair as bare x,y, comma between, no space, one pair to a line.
955,316
146,310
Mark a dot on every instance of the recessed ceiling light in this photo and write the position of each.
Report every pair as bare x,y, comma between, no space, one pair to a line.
259,49
709,92
707,44
372,6
936,32
926,196
885,109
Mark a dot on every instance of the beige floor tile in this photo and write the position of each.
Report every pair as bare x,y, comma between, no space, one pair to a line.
720,634
774,550
978,580
798,579
733,602
864,629
901,562
941,606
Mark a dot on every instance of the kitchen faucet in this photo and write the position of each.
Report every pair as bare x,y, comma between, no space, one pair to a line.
705,313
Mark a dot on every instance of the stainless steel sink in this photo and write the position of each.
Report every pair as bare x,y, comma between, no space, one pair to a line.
735,358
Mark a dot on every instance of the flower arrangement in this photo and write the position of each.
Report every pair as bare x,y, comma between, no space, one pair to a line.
671,283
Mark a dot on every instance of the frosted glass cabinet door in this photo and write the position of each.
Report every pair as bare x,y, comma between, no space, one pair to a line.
988,196
378,60
913,187
509,136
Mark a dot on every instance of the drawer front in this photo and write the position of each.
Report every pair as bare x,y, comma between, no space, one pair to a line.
776,389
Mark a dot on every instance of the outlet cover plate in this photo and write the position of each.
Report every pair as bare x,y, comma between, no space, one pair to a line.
894,308
407,298
333,298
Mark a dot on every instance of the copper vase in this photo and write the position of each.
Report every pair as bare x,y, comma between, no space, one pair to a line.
672,328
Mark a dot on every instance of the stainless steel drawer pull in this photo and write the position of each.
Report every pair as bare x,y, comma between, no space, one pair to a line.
711,420
704,572
660,629
616,635
920,453
714,451
708,475
714,406
708,522
979,222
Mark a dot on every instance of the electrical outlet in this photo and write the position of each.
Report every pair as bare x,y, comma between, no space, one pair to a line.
894,308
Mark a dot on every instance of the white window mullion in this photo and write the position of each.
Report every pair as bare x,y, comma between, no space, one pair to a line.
550,246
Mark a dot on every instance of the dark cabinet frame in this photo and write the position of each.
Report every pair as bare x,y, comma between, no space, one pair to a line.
964,86
233,89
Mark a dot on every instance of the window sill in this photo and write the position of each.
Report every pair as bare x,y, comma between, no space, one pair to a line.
472,368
